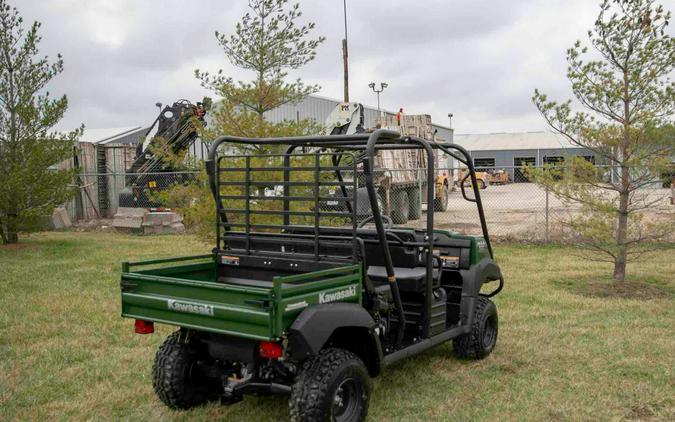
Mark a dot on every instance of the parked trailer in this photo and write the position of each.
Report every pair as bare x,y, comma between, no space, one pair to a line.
399,173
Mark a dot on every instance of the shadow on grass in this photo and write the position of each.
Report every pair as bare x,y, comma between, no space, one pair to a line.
648,289
394,381
15,246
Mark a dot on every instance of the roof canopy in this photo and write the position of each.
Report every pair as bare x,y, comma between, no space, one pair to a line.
107,135
514,141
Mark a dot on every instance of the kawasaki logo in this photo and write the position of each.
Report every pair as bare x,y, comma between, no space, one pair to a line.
336,296
190,308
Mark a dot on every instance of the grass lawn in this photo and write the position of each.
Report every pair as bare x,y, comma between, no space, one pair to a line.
565,352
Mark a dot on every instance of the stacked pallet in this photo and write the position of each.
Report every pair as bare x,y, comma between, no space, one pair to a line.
403,164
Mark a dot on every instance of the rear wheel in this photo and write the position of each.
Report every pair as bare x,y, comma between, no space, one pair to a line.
333,386
481,340
400,206
441,201
176,376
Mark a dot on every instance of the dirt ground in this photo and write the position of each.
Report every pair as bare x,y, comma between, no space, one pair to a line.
518,211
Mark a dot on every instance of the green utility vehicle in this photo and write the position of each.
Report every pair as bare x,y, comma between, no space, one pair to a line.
312,303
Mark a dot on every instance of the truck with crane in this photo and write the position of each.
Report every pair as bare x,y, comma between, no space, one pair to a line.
399,173
157,158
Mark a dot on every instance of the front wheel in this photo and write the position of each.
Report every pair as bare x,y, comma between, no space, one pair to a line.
481,340
333,386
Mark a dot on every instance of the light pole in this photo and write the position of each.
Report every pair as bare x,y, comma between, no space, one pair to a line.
383,85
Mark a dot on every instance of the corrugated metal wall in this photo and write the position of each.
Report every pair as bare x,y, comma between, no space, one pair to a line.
312,107
319,108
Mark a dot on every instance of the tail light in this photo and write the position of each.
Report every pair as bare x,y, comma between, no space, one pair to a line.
144,327
270,350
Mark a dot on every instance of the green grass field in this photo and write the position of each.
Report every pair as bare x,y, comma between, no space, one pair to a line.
565,352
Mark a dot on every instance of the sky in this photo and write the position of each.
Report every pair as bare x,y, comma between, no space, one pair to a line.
477,59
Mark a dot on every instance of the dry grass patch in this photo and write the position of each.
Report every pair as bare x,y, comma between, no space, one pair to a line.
632,290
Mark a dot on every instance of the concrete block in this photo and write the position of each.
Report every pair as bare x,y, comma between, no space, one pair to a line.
128,222
128,218
178,228
130,212
159,218
170,229
60,218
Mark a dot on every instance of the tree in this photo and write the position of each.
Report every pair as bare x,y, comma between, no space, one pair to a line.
231,119
628,97
268,41
29,189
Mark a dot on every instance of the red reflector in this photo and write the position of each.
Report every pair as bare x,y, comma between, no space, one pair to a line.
144,327
270,350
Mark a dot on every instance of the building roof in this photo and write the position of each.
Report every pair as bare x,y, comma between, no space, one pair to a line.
108,135
513,141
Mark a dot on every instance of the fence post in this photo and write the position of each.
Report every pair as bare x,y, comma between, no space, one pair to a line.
546,234
79,206
420,189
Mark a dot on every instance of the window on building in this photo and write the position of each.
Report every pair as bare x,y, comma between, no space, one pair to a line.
484,164
555,159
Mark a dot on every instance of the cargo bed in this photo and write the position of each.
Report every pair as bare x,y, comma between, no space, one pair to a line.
188,292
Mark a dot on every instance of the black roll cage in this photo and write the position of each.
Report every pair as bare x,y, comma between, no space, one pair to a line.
367,144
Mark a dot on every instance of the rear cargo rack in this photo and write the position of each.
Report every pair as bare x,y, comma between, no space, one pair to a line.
263,197
366,146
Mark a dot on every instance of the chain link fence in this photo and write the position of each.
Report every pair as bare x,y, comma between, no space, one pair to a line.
98,196
515,208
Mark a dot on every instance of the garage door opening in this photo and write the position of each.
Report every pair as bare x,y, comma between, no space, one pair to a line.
519,164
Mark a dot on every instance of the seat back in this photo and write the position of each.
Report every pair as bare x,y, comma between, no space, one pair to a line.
401,255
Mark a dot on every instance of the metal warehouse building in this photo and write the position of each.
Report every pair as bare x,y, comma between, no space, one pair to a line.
318,108
511,151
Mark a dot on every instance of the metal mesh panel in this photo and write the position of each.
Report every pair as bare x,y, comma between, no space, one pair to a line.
286,200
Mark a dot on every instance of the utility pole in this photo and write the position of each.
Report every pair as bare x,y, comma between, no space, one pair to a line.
345,54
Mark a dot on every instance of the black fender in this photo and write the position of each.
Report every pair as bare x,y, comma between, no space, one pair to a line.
484,271
348,325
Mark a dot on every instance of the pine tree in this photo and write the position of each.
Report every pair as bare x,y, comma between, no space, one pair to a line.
268,41
29,188
627,99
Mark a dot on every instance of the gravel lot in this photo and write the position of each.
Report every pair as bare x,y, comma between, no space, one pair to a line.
518,210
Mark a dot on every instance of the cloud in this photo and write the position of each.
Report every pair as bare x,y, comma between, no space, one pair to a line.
478,59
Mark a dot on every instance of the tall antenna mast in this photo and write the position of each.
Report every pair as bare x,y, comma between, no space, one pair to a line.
345,54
